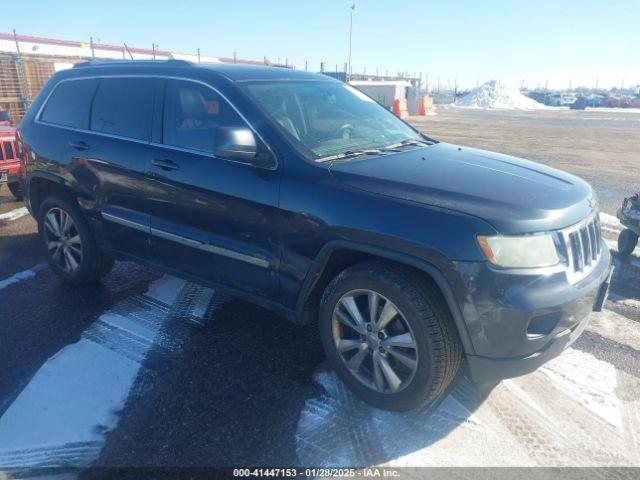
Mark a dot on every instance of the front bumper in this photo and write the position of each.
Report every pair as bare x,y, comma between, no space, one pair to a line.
11,171
518,322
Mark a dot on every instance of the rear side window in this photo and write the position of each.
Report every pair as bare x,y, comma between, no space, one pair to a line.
123,106
192,114
69,104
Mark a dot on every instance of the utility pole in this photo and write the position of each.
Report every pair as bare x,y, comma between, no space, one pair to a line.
235,58
352,10
93,53
198,55
153,50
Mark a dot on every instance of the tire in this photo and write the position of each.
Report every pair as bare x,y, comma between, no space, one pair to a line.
91,264
627,241
423,320
15,190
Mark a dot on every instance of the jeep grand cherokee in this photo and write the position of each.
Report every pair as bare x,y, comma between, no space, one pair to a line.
297,192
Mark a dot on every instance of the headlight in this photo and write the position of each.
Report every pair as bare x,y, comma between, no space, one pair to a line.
527,251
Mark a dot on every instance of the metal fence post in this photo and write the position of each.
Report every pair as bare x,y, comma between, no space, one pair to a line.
23,86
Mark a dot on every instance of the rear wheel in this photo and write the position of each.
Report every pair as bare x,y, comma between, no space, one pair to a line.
16,191
627,241
389,336
70,247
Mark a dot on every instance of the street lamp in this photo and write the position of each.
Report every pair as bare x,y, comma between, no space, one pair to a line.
352,11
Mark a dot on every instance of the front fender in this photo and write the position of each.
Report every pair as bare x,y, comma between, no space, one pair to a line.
444,276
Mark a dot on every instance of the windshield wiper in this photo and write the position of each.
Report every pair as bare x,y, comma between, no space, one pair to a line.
376,151
351,153
408,142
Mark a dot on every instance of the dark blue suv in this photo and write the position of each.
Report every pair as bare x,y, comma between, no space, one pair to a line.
297,192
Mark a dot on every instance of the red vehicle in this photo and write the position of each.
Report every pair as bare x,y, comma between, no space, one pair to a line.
9,161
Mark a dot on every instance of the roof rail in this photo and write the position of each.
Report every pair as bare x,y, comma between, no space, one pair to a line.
108,63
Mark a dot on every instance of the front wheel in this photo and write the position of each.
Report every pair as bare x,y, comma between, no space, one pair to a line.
71,250
389,336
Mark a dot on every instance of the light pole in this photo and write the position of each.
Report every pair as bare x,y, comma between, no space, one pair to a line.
352,10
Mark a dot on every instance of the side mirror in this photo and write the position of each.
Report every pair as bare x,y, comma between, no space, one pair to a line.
236,143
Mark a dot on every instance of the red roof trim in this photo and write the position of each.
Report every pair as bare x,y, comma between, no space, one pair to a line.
119,48
73,43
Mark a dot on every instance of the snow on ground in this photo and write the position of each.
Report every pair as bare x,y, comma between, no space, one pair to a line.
610,223
613,109
14,214
20,276
494,95
569,413
589,381
63,414
616,327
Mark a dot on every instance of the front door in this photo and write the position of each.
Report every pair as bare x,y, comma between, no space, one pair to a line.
211,218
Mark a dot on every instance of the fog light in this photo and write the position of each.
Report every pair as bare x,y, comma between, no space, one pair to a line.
542,325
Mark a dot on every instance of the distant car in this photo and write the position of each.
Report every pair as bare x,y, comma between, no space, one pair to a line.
621,102
561,99
9,161
579,104
302,194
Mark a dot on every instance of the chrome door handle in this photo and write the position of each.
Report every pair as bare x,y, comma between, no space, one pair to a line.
165,164
79,145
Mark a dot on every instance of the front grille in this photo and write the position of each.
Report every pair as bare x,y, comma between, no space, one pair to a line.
582,245
7,150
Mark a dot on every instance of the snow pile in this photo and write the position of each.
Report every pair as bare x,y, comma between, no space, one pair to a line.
496,95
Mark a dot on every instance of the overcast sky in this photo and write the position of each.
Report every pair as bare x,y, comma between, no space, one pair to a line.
469,41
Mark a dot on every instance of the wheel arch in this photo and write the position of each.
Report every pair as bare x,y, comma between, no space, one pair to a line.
338,255
39,185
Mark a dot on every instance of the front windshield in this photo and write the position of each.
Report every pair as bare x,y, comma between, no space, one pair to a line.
329,118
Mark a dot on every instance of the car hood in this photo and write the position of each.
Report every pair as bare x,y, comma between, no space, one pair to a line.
512,194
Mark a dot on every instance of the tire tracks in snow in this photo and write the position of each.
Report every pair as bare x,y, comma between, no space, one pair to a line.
61,417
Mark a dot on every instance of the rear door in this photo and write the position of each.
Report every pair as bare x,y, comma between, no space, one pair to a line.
211,218
116,151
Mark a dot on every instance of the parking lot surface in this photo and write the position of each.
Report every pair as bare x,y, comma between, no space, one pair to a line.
148,370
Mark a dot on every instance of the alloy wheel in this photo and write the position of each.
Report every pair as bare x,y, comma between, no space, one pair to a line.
64,245
374,341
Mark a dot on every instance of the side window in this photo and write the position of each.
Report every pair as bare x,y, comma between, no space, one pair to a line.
192,113
69,104
123,106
